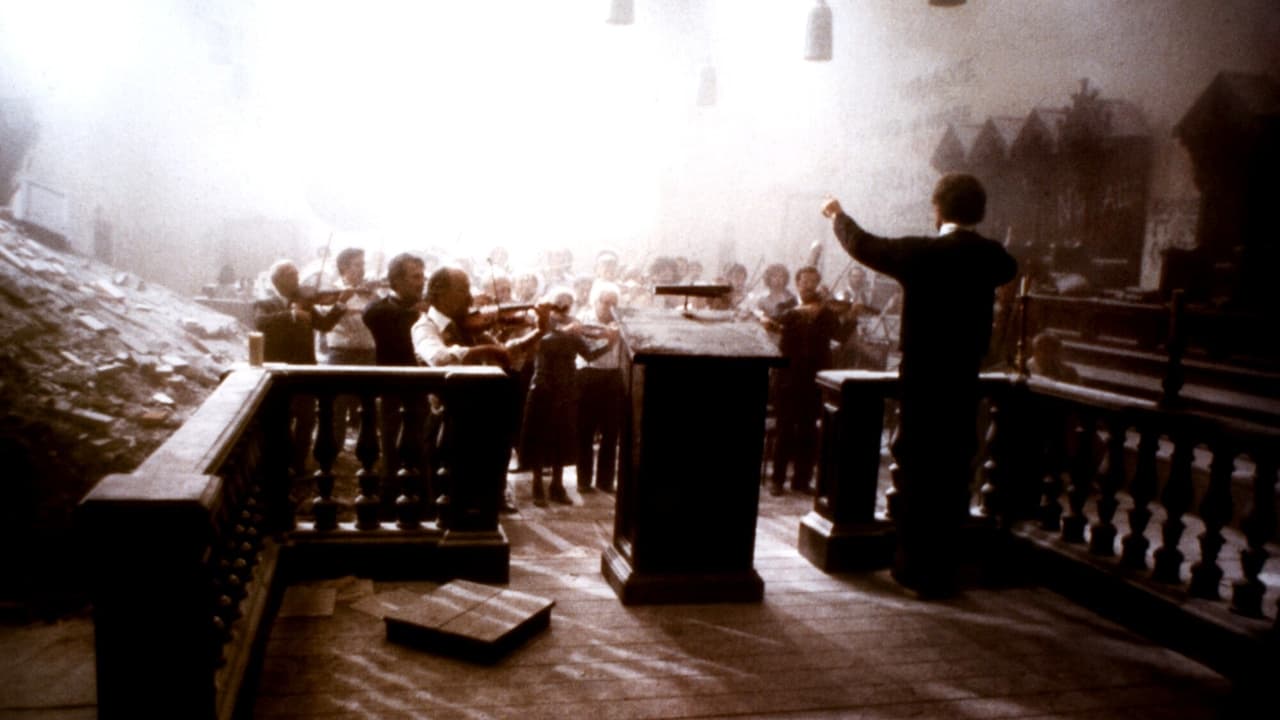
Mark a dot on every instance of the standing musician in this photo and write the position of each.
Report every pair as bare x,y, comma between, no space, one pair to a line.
390,320
449,334
601,395
349,342
288,319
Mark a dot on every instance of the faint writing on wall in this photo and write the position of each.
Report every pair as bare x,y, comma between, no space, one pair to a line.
956,77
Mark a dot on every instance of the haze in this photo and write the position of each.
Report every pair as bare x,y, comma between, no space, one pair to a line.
219,131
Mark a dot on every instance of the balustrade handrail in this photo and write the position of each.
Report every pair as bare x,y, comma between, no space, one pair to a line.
186,549
1069,449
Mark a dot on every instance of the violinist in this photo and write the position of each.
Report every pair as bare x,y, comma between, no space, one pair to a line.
806,332
390,318
600,398
288,319
443,335
449,333
287,316
349,342
547,434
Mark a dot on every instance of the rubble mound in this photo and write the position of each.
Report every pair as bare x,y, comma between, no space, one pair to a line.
97,368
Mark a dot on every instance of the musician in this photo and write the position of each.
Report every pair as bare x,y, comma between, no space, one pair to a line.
600,404
390,320
805,333
444,334
288,320
287,317
349,342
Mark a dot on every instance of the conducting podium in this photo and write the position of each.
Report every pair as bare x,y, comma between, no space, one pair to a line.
697,385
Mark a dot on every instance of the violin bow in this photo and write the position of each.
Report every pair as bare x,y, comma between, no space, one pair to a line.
324,259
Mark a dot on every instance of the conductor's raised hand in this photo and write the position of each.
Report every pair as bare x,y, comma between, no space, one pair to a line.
831,208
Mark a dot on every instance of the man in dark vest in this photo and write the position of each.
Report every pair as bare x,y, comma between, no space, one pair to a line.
288,319
390,320
948,283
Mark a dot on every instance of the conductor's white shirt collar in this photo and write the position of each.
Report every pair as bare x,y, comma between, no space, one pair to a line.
949,227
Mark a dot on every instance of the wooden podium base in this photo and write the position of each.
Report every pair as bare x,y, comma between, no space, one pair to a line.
832,548
636,588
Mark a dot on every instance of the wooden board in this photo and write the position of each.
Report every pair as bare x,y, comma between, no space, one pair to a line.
468,620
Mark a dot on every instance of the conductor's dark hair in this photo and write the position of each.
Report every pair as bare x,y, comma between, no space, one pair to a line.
399,265
960,198
348,256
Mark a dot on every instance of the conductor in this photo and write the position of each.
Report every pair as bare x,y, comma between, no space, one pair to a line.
948,284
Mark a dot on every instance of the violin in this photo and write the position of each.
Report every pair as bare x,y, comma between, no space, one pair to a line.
595,332
309,296
485,317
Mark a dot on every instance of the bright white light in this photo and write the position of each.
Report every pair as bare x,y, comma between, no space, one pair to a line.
75,50
497,122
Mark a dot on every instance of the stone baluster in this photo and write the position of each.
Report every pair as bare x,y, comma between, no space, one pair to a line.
992,494
1215,511
1082,470
893,495
409,502
1102,534
368,503
274,465
325,507
1176,499
1052,457
1259,527
1143,491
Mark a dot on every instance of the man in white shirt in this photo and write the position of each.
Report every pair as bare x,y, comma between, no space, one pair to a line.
349,342
446,335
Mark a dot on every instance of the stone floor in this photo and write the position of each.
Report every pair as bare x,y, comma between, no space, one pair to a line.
819,646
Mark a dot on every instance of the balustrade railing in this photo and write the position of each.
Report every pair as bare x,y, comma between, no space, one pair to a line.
190,550
1179,503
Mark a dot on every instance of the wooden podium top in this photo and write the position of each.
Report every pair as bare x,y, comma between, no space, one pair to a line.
651,333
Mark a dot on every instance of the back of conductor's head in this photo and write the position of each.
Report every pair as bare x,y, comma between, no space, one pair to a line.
959,198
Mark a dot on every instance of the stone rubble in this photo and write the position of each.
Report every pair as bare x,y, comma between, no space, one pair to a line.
97,369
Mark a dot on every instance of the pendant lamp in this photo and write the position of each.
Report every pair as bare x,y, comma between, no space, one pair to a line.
817,44
946,3
621,12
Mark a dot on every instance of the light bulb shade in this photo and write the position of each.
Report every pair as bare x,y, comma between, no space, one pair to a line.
621,12
817,44
707,86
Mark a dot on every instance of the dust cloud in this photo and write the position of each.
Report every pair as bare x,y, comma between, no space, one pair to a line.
221,132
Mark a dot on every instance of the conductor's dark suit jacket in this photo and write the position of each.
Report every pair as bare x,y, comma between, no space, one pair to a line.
948,285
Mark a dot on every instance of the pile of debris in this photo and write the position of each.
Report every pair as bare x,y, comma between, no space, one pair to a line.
97,368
